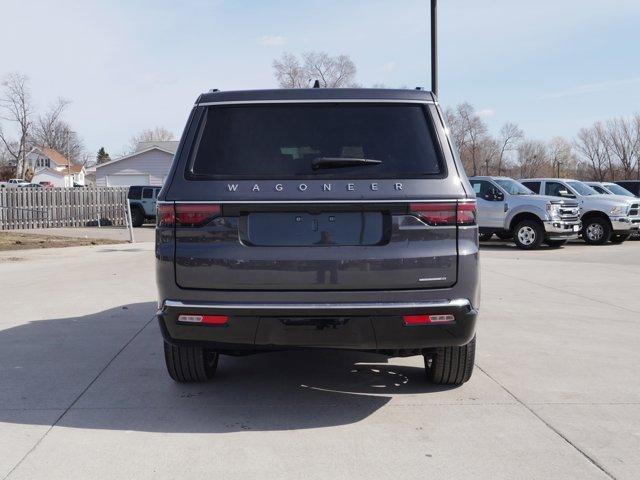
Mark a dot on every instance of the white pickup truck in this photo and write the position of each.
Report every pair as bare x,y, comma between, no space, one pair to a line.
510,210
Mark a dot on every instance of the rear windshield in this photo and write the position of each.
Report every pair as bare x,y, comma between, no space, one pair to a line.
283,141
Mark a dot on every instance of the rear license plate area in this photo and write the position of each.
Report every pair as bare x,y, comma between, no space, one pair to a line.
291,229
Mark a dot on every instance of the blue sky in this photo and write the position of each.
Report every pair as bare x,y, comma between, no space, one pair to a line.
550,66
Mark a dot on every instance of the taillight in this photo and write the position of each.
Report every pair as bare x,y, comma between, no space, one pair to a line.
410,320
204,319
466,214
165,215
445,214
187,214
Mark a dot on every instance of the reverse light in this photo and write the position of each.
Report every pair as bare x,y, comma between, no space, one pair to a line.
445,214
411,320
204,319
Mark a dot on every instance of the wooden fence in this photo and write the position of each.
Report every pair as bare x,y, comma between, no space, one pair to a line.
24,208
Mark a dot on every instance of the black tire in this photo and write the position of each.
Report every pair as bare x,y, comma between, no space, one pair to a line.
504,235
137,217
556,243
619,238
485,237
450,365
596,231
190,364
528,235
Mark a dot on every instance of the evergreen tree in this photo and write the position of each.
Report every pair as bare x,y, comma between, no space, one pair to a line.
102,156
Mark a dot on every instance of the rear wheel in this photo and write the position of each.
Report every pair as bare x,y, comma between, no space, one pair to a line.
485,237
450,365
556,243
528,235
190,364
620,238
596,231
137,217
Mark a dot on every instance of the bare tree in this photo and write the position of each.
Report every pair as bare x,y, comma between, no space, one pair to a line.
623,145
289,72
330,72
591,144
510,135
533,159
469,135
561,156
51,131
158,134
16,108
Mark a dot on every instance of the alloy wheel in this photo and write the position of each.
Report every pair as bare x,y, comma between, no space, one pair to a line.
527,235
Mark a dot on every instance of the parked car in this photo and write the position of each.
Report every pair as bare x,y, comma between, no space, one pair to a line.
631,185
47,184
512,211
13,182
610,188
142,199
30,185
334,218
604,217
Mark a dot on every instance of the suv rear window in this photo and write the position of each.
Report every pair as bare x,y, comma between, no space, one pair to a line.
281,141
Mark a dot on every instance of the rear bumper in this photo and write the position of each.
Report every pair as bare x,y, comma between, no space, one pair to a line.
562,230
359,326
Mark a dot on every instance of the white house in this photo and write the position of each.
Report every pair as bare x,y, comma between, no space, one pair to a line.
148,165
49,165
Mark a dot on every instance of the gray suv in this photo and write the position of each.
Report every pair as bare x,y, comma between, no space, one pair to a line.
512,211
317,218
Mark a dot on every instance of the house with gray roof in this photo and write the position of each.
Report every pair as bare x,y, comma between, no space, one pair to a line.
148,165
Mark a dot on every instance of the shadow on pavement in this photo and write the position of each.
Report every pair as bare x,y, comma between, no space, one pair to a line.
49,364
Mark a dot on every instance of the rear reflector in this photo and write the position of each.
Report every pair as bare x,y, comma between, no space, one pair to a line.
445,214
427,319
204,319
187,214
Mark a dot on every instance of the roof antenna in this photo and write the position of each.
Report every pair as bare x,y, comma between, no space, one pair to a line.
316,84
434,47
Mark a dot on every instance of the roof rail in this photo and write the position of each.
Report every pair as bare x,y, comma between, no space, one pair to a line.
434,47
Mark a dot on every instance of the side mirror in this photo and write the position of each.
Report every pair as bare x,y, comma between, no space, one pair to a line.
494,195
565,193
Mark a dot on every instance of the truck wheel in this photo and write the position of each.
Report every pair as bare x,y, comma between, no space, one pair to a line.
504,235
190,364
450,365
137,217
556,243
620,238
485,237
528,235
596,231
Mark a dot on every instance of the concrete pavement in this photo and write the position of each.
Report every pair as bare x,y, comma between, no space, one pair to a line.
555,393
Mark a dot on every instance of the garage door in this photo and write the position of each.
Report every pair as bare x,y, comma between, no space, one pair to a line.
127,180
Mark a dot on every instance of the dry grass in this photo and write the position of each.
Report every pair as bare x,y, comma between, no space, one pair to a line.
11,240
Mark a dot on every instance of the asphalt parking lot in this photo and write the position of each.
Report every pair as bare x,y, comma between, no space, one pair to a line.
555,393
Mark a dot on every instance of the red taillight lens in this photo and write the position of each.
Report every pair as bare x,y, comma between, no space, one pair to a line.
466,214
204,319
435,214
165,215
195,215
410,320
445,214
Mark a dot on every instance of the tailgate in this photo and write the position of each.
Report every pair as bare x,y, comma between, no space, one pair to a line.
319,247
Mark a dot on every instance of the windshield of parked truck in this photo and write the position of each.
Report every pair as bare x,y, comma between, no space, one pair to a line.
582,188
512,187
618,190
